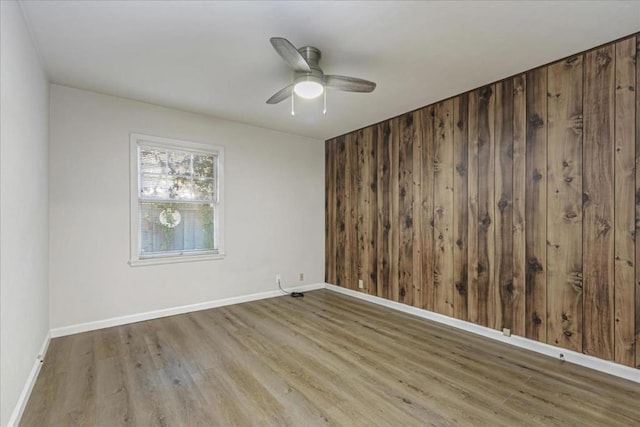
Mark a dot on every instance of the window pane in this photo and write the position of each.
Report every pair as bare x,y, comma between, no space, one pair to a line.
204,189
153,161
203,165
179,163
176,227
156,186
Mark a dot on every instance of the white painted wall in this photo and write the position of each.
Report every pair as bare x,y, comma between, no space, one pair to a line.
274,212
24,119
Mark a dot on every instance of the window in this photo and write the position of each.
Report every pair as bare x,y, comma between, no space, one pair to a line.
176,201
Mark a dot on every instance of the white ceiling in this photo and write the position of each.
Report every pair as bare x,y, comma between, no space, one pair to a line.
215,57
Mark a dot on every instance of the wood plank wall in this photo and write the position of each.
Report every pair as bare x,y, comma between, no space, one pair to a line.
515,205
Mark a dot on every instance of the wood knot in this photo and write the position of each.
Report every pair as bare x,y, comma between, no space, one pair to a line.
461,287
485,222
509,287
459,243
586,198
486,92
403,192
403,292
534,266
460,168
567,334
536,121
565,317
481,268
408,120
568,179
502,204
570,215
342,226
537,176
536,319
460,124
408,221
572,61
602,60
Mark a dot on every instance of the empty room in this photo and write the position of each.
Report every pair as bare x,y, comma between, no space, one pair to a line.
319,213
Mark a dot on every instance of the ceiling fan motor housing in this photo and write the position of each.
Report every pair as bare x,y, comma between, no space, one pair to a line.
312,55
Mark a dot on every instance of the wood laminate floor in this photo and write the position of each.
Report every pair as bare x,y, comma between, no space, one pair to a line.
326,359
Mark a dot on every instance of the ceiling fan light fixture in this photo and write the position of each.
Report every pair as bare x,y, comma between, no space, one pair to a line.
308,88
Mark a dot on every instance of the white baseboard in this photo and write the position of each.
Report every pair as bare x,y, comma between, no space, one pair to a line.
28,386
156,314
570,356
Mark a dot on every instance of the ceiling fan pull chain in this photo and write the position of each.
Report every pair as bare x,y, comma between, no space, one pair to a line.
324,111
293,96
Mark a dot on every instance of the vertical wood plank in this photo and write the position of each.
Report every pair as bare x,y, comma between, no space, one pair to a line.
383,248
637,235
564,200
341,210
503,206
366,210
394,233
598,187
405,209
443,208
358,204
460,217
472,206
486,216
637,198
625,84
351,232
371,187
536,205
426,186
519,195
330,211
418,216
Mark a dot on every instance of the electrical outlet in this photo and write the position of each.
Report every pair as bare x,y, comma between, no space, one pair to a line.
506,332
302,277
361,284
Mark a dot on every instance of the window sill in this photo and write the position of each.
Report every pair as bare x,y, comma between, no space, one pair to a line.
174,259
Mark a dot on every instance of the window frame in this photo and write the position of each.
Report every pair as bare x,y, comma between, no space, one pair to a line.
135,259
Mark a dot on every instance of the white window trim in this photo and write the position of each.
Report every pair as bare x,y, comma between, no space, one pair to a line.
134,231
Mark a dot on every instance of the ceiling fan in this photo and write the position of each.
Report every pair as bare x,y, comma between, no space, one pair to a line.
308,79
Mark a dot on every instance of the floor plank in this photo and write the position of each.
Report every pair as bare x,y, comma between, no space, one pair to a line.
325,359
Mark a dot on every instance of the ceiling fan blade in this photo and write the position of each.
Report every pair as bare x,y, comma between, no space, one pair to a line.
349,84
281,95
290,54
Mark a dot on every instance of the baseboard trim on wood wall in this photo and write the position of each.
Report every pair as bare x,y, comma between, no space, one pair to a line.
570,356
172,311
28,386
